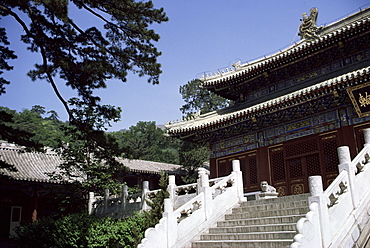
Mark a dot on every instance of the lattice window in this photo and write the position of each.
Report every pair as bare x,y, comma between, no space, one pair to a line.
243,168
301,148
361,139
313,165
295,167
278,167
330,155
222,169
253,170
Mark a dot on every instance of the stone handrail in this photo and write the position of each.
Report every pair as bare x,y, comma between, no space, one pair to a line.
177,227
120,206
336,189
338,215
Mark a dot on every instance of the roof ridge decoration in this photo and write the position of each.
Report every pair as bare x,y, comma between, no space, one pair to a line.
326,33
308,29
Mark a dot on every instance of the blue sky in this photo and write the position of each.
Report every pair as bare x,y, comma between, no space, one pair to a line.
201,36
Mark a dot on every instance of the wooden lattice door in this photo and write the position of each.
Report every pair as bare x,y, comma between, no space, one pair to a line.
248,166
223,167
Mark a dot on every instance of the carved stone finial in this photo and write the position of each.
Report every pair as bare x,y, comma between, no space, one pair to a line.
308,29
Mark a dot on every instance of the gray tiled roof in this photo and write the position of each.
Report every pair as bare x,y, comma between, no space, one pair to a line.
31,166
34,166
148,166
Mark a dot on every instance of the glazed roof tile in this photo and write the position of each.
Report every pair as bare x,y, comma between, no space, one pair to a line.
35,166
30,166
148,166
215,118
346,26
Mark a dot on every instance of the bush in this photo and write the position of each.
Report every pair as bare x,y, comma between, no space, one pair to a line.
82,230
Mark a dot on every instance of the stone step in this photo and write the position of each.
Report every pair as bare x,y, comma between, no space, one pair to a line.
263,207
242,244
254,228
260,221
268,213
250,236
289,198
267,223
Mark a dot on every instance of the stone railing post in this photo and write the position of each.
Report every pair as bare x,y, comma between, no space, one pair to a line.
239,179
317,195
91,202
171,187
345,164
106,197
367,136
124,196
203,186
171,226
144,205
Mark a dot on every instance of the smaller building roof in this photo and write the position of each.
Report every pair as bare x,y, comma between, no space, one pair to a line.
36,166
143,166
30,166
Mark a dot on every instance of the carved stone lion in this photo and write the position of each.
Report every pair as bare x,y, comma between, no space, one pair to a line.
265,187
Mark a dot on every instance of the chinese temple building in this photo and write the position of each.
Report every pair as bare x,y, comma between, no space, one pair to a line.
292,109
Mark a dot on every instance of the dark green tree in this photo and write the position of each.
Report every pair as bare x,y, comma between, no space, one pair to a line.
192,156
85,59
44,131
10,131
157,202
146,141
199,99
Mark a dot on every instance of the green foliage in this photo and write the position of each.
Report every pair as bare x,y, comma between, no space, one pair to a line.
84,60
82,230
91,151
199,99
146,141
192,156
33,128
156,203
11,130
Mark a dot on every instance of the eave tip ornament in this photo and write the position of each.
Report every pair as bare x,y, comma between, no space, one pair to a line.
308,29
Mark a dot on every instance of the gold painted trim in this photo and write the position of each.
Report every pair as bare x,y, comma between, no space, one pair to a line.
354,100
296,181
280,183
329,137
323,134
270,147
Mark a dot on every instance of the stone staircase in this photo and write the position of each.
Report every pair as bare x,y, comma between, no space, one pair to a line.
262,223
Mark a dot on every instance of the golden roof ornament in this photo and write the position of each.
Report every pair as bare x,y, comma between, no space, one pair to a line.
308,29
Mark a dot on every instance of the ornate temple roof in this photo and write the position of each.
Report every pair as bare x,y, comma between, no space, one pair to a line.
329,35
305,71
35,166
230,116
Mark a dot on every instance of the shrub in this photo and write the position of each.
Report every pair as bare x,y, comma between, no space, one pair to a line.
83,230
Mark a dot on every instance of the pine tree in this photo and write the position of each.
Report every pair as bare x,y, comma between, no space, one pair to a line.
157,202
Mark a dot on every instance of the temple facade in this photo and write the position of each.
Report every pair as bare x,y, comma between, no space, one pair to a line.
292,109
